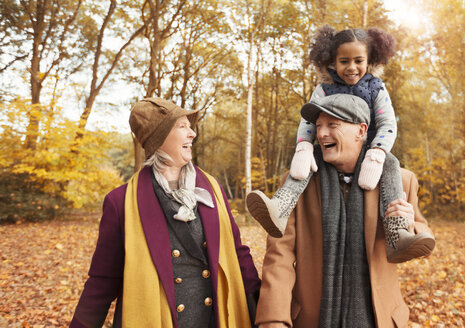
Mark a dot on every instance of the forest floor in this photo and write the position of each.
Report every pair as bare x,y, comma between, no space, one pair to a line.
43,267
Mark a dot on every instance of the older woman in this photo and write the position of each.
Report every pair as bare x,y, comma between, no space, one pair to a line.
168,247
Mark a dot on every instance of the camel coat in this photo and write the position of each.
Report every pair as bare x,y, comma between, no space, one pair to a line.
292,268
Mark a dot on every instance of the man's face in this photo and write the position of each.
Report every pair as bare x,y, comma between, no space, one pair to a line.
341,142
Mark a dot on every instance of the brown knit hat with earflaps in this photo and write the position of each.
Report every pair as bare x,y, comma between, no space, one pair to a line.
152,119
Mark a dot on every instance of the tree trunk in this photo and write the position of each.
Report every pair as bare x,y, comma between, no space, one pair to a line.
48,36
430,173
277,167
96,86
155,36
36,84
365,14
226,181
262,163
248,142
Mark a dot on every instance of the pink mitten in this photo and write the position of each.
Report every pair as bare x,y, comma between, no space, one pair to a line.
372,167
303,161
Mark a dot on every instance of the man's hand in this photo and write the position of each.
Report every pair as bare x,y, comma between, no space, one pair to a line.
400,207
273,325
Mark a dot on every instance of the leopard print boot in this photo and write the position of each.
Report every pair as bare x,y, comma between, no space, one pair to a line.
273,213
402,245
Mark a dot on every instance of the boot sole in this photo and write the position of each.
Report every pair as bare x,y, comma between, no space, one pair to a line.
260,213
416,249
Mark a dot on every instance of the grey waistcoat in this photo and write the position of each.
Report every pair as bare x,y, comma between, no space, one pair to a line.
191,274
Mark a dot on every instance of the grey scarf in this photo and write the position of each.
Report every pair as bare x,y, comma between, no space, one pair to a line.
187,195
346,291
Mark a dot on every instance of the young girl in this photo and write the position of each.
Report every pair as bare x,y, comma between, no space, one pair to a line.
349,62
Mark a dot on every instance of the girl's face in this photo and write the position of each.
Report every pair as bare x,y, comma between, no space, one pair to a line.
351,61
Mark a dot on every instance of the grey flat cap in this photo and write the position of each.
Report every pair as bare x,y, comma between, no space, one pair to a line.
345,107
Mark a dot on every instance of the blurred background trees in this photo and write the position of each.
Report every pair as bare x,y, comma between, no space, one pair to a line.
71,71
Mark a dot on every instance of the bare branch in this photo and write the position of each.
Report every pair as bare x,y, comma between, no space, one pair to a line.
12,62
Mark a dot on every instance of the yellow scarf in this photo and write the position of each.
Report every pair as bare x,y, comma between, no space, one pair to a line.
144,300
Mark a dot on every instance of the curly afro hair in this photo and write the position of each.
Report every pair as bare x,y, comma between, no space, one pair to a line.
321,46
381,45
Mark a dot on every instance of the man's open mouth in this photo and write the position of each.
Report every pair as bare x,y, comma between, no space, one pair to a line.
329,145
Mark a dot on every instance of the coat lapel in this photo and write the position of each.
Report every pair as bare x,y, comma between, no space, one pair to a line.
156,233
371,220
211,226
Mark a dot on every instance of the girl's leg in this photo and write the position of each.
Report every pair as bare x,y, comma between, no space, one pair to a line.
401,245
273,213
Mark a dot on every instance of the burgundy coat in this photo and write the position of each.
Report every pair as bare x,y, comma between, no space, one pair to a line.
105,282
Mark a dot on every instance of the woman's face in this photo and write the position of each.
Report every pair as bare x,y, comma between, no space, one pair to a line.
178,143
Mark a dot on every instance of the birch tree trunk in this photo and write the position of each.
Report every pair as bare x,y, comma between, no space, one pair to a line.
365,14
248,143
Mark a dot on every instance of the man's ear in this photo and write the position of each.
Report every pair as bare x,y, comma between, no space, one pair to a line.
363,128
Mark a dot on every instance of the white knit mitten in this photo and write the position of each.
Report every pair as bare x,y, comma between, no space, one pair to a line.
372,167
303,161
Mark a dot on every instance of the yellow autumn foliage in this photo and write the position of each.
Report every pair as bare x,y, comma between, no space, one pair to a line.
76,170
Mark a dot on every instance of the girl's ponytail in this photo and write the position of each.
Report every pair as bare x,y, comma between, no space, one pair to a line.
383,46
321,47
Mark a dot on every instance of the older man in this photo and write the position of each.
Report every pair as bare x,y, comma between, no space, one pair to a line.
330,267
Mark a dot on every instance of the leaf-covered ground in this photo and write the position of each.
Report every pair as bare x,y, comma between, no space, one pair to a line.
43,267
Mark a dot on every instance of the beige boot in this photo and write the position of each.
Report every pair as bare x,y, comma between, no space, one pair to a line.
402,245
272,214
